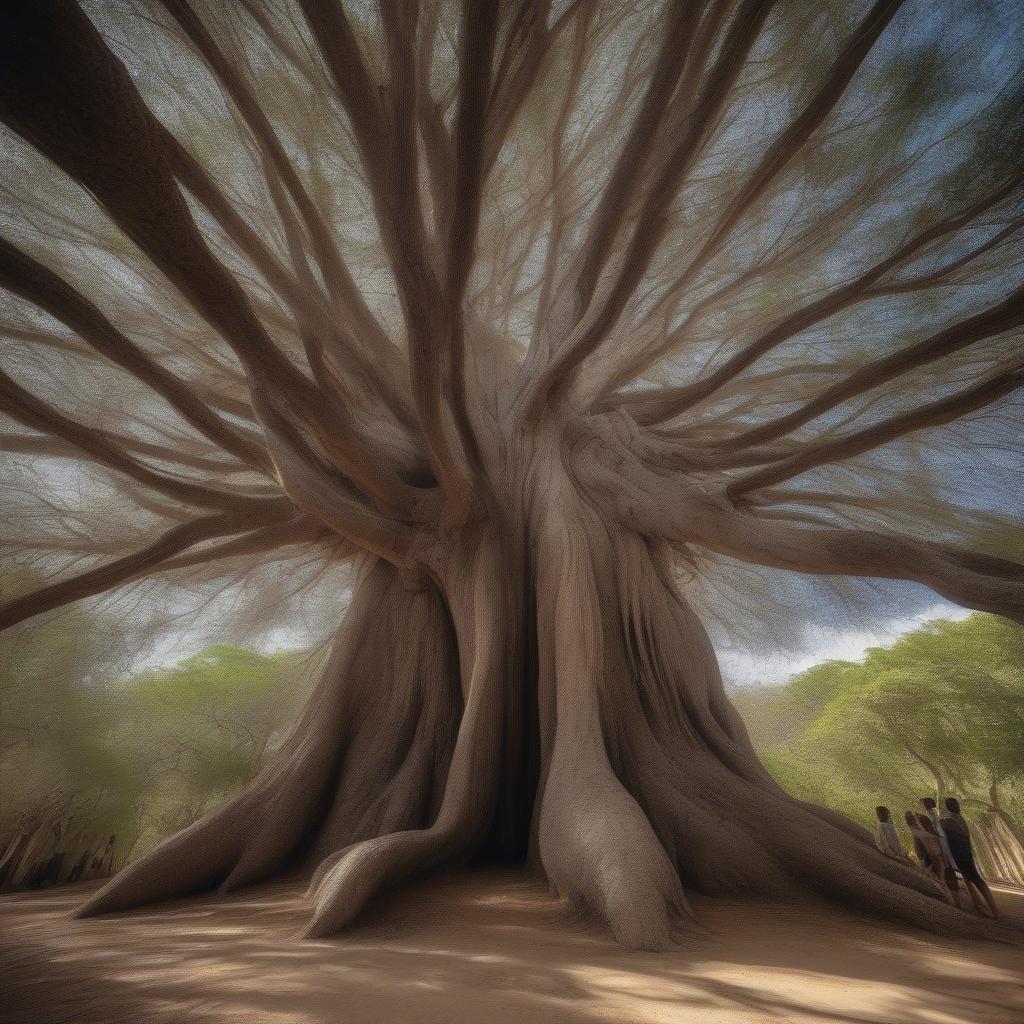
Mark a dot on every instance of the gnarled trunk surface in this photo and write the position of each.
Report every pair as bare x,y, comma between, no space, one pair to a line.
536,688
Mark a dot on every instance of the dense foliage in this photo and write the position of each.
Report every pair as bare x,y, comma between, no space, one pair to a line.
940,713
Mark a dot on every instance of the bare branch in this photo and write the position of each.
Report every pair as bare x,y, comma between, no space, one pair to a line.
35,414
27,277
527,48
996,320
653,221
964,577
540,341
331,263
792,140
675,509
639,143
271,537
124,570
390,159
62,65
31,444
669,402
944,410
475,60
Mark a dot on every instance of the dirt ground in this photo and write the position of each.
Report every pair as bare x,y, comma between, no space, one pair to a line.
486,948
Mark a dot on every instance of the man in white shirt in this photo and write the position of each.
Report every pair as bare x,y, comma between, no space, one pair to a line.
886,838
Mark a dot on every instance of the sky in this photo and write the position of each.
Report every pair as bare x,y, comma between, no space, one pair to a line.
748,668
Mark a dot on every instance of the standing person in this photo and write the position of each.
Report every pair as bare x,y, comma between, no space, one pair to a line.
919,848
958,835
886,838
933,815
937,867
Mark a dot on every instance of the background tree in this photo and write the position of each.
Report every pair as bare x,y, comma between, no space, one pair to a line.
88,755
547,317
938,713
64,790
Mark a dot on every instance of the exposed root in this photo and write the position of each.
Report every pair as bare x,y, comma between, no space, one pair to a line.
343,885
350,722
598,849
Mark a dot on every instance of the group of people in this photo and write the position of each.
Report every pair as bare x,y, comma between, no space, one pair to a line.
942,848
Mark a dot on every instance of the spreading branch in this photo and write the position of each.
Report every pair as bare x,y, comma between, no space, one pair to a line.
973,580
27,277
997,320
90,95
667,403
26,408
131,567
931,414
653,221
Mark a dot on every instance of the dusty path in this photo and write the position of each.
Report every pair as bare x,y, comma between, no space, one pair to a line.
485,948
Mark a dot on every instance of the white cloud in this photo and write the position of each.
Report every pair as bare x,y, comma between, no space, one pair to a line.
827,644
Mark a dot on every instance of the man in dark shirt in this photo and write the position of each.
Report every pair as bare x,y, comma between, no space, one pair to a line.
958,835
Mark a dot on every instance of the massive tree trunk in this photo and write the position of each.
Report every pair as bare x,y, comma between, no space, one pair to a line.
535,688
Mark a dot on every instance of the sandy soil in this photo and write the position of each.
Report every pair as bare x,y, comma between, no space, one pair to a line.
486,948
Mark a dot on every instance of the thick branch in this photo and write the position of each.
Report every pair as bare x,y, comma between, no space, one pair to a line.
669,402
972,580
944,410
628,173
124,570
653,221
675,509
327,496
437,144
475,60
26,408
37,444
1003,317
543,329
528,47
61,89
253,542
30,279
390,158
781,153
336,274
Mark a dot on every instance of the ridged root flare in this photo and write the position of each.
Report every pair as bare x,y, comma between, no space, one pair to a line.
550,695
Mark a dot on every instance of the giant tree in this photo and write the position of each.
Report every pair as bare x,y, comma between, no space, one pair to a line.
544,314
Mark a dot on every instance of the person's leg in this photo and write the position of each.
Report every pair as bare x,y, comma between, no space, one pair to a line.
975,894
986,893
938,877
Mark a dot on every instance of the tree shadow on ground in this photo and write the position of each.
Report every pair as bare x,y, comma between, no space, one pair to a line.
483,947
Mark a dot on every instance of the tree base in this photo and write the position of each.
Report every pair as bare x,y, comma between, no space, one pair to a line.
646,783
